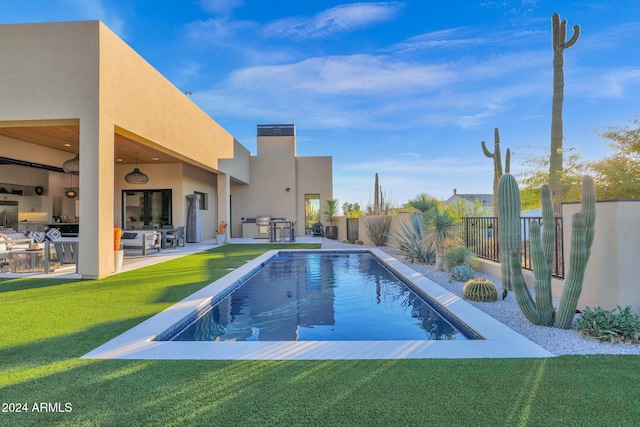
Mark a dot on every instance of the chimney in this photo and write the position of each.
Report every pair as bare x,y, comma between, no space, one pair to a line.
455,191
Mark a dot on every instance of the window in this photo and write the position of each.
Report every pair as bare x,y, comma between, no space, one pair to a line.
150,208
204,203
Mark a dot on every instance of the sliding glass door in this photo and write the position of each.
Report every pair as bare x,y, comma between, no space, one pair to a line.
146,208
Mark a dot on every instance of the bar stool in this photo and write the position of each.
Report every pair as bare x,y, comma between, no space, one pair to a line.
285,230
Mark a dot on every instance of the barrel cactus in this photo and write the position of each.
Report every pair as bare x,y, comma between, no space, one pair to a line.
480,290
541,311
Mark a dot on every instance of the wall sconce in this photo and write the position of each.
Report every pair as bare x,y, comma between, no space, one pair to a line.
287,189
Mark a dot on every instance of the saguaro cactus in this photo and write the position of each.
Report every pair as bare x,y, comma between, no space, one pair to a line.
497,166
559,29
541,311
376,197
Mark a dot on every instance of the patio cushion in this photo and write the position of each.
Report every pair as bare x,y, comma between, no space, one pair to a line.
53,234
5,242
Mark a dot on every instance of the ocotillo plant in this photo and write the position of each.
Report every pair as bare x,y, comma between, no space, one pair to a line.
559,29
497,166
541,311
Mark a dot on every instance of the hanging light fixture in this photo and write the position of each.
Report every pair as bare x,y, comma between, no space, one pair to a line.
135,176
71,192
72,165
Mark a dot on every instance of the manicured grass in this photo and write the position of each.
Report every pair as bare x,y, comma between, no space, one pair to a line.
45,325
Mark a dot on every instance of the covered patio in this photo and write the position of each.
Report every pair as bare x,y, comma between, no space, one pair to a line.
76,89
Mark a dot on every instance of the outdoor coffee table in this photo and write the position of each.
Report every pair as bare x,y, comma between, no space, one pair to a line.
26,261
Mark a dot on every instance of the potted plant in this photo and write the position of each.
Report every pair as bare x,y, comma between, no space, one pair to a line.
118,253
220,234
330,212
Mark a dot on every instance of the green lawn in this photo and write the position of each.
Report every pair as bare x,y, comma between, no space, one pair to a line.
46,324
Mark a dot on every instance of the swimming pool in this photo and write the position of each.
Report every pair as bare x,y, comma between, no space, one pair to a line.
496,340
319,296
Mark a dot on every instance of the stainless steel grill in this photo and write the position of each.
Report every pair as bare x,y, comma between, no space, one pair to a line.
262,221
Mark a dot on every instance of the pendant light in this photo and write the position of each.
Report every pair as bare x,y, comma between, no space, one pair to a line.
135,176
72,165
71,193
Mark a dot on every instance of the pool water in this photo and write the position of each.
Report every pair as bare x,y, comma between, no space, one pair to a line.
316,296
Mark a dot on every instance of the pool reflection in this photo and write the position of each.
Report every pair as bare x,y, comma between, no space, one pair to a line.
320,297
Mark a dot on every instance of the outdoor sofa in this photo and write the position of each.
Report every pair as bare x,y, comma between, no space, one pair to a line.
140,239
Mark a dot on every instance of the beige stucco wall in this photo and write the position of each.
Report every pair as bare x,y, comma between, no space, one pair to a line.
396,221
611,277
196,179
274,169
314,176
238,167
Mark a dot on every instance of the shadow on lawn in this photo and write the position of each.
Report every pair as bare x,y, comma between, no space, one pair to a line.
24,283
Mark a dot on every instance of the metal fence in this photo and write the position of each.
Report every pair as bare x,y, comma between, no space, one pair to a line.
480,234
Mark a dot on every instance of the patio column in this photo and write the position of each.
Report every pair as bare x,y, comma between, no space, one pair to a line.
96,198
224,203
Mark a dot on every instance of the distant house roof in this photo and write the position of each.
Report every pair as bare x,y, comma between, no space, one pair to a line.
485,199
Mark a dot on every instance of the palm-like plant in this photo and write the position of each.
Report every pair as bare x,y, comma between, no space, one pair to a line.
423,202
331,210
442,229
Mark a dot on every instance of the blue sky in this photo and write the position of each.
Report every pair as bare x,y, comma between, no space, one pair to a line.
407,89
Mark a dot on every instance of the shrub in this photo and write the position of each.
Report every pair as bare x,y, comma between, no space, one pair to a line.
410,241
377,228
344,241
608,326
359,242
461,273
480,290
460,255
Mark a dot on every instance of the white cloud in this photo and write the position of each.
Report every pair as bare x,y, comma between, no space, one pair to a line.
340,19
367,91
219,31
449,38
612,83
345,75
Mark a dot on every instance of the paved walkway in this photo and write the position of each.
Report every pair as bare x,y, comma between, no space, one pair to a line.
134,260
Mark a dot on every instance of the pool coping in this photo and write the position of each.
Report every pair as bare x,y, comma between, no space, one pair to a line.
501,341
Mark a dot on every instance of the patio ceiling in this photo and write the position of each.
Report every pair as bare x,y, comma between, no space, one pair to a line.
66,138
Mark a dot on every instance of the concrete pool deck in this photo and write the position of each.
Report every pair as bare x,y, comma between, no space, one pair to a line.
500,342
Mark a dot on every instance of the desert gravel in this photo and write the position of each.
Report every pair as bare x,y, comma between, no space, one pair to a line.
557,341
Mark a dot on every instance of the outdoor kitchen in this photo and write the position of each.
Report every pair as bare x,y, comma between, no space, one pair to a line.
267,227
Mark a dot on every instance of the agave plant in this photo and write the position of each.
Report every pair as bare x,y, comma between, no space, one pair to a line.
461,273
460,255
410,241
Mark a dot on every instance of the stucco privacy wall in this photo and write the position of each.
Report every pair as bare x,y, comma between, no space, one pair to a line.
611,277
81,72
308,171
274,169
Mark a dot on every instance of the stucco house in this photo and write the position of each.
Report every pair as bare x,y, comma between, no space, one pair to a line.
76,89
468,202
